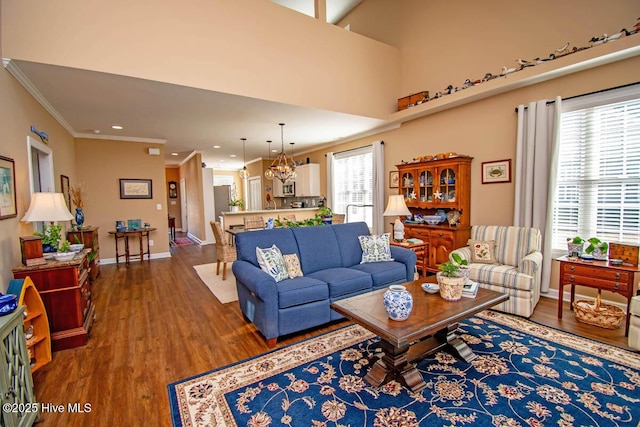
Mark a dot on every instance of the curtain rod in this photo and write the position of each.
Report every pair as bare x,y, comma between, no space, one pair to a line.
587,94
351,149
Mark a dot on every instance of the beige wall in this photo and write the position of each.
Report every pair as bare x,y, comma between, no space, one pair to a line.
187,43
18,111
100,165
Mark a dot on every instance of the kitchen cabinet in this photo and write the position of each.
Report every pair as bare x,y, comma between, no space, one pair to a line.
278,187
434,185
308,180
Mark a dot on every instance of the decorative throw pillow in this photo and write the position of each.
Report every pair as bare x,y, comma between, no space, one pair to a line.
293,265
375,248
483,251
272,263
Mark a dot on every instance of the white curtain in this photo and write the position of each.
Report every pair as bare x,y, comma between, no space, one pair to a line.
535,173
378,187
329,196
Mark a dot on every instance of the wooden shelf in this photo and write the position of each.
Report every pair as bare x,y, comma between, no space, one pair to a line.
36,316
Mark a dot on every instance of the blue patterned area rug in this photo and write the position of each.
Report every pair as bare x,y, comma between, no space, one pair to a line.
525,375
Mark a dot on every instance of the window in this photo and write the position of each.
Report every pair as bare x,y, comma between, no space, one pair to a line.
353,184
598,186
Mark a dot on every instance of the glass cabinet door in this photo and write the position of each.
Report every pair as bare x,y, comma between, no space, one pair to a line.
448,185
426,187
406,184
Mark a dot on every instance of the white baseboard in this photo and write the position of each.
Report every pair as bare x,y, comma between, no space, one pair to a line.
106,261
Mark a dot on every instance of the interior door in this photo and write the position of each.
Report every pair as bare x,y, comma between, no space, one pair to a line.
255,193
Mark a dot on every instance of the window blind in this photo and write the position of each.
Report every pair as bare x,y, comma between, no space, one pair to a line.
598,186
353,183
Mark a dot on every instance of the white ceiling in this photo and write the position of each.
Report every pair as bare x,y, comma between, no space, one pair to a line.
185,119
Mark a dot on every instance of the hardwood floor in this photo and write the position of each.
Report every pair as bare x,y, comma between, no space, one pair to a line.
156,323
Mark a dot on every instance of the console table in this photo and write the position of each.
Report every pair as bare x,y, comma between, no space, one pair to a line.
141,234
598,275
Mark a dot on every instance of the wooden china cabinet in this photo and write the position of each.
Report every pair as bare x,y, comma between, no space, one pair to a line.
429,186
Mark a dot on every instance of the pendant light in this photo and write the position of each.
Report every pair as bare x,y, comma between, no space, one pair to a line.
283,166
269,172
244,173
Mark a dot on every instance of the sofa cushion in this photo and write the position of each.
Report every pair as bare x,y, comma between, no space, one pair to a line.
317,247
505,276
348,244
512,243
272,262
375,248
247,242
292,263
301,290
342,281
483,251
384,273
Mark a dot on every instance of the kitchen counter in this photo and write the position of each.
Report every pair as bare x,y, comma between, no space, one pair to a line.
237,218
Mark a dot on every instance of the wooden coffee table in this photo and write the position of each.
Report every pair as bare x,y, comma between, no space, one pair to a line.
430,327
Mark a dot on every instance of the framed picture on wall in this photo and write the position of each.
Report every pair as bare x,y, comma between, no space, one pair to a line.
135,189
496,171
7,188
173,189
394,178
64,187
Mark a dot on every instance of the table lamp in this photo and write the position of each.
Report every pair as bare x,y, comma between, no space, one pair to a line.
396,207
47,207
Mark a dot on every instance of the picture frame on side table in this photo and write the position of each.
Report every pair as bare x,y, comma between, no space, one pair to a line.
394,179
495,172
65,190
7,188
136,189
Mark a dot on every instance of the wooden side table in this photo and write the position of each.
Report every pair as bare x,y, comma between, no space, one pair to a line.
598,275
421,250
141,234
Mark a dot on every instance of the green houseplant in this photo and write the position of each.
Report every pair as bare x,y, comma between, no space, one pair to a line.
575,245
463,266
50,237
450,281
597,248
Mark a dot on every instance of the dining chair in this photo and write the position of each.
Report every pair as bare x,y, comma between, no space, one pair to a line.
224,252
253,222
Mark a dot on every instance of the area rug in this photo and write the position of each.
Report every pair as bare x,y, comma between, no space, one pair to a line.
525,374
224,290
182,241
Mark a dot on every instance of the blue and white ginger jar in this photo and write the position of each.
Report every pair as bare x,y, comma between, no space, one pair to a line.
398,302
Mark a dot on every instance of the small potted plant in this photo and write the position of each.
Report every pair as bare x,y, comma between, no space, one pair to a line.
50,237
236,204
575,245
326,214
597,248
463,265
450,281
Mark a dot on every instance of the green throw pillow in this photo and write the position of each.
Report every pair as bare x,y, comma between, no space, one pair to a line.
375,248
272,262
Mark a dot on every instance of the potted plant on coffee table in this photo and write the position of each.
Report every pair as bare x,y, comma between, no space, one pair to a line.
450,281
463,266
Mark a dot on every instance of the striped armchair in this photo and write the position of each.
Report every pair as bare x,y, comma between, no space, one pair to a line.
518,268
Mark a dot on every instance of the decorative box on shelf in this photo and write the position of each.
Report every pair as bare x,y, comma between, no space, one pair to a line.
413,99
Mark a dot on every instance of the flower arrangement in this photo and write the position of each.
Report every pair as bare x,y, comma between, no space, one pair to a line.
234,200
77,195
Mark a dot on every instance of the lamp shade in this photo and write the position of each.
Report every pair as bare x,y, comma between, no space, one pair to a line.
396,206
47,207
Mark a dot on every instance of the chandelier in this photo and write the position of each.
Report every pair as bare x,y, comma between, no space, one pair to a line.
269,172
283,166
244,173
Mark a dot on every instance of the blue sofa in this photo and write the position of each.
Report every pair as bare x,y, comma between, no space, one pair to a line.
330,258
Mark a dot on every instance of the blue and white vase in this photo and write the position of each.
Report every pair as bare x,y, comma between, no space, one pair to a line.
398,302
79,217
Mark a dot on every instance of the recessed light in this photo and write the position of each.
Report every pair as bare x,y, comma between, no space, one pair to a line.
96,131
174,154
216,146
274,151
232,155
118,127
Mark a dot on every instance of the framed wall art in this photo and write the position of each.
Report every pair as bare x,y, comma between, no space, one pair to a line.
394,178
66,191
135,189
7,188
496,172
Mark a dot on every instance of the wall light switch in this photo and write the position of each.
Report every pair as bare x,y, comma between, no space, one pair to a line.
173,202
150,242
159,206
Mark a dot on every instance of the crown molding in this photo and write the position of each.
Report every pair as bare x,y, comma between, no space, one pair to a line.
26,83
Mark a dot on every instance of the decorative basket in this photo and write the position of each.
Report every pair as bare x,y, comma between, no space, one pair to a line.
602,315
